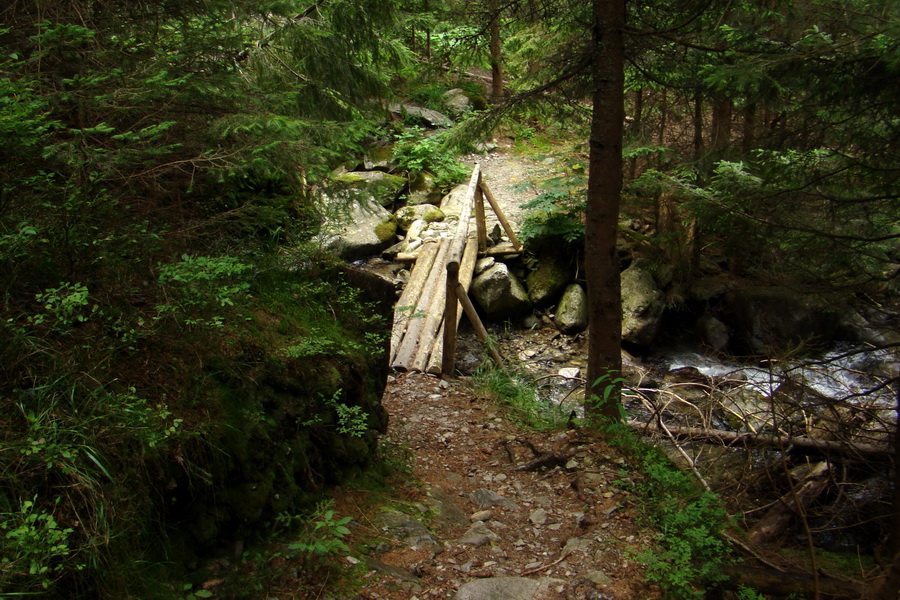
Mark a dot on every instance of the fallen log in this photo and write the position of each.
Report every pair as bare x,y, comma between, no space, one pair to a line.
407,349
406,306
791,505
777,583
733,438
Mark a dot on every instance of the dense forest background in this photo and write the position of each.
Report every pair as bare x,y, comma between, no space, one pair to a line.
163,293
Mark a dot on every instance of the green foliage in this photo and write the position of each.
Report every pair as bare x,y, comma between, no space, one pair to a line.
690,520
418,153
611,393
34,548
521,397
323,536
352,420
556,215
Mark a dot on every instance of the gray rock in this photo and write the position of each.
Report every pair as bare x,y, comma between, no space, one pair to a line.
538,516
408,215
445,509
418,114
451,204
500,293
506,588
482,515
423,190
456,102
484,147
356,229
484,498
572,313
378,158
483,264
385,188
389,570
407,530
598,577
576,545
547,281
713,332
642,305
478,535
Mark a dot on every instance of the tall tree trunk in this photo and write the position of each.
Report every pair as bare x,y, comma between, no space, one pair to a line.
602,215
885,588
496,56
721,123
663,122
748,135
637,127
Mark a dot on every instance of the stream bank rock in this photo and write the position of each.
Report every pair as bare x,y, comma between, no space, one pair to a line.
508,588
547,280
572,312
500,293
774,318
357,229
642,305
383,187
456,102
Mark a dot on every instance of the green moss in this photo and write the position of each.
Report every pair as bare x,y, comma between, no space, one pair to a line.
433,216
386,231
350,180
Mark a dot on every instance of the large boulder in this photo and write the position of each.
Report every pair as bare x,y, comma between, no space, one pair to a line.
713,332
547,281
452,203
500,293
385,188
356,228
423,189
767,319
422,116
572,312
408,215
456,102
642,305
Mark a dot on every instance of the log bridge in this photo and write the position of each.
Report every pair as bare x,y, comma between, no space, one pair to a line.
428,313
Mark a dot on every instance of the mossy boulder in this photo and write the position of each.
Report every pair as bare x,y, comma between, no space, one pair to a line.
547,281
572,312
642,304
383,187
500,293
407,215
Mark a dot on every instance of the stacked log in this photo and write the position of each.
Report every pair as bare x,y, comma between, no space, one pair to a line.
417,334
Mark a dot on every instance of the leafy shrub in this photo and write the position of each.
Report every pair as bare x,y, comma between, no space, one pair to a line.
556,215
418,153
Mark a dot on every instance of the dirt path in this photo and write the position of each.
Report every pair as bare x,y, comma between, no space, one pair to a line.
492,511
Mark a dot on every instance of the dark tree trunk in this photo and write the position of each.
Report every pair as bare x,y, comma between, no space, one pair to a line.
496,56
721,123
602,215
748,137
637,127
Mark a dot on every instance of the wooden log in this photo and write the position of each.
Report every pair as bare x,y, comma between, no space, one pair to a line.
466,271
791,505
480,224
480,330
451,312
770,581
410,341
500,216
733,438
406,305
428,333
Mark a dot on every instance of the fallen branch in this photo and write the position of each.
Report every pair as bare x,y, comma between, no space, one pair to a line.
732,438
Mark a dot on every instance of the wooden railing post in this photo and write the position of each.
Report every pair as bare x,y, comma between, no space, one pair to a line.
480,224
454,256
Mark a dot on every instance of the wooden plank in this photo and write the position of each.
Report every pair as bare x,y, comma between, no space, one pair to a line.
500,216
480,224
428,333
454,257
407,347
480,330
410,296
466,271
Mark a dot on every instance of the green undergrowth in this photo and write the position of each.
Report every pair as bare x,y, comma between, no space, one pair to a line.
138,438
520,397
690,546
